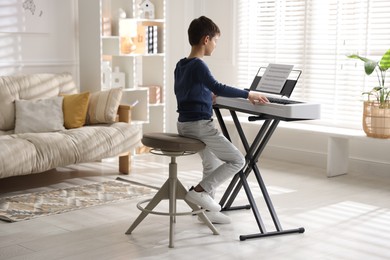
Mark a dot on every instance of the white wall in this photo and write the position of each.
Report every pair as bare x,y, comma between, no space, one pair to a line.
367,155
45,41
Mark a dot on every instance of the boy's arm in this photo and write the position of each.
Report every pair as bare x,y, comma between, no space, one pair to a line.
227,91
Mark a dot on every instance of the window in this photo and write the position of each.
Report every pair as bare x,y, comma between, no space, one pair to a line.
315,36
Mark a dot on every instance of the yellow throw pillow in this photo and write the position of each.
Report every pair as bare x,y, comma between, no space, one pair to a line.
103,106
75,109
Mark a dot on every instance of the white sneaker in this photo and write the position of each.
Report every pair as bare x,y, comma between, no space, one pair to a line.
216,217
202,199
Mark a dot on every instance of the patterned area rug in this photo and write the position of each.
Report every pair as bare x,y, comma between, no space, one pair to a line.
32,205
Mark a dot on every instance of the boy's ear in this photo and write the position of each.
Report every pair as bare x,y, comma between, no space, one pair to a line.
205,39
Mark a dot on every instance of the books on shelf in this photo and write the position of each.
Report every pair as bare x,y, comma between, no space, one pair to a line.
106,26
151,39
147,40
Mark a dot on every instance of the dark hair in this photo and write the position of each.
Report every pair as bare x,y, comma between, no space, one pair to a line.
200,27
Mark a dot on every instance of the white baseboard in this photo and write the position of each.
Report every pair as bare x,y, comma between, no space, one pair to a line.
305,157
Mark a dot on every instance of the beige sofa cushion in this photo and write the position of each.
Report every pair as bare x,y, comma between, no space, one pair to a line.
39,152
96,142
16,155
35,86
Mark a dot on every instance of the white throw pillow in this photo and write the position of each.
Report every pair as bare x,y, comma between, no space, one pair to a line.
40,115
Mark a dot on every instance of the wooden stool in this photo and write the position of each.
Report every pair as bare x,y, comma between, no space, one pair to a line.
172,145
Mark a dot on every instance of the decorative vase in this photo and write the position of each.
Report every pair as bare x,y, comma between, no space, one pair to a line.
107,74
376,119
118,78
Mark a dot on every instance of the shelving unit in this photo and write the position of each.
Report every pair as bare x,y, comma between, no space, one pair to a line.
106,36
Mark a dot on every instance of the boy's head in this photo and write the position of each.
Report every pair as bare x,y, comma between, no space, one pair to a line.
201,27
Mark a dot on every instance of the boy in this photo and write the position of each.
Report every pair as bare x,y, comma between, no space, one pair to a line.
195,89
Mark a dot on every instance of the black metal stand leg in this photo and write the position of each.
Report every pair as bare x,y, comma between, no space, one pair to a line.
229,195
240,180
251,160
252,202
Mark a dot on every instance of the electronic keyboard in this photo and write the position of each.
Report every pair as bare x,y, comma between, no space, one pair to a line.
290,110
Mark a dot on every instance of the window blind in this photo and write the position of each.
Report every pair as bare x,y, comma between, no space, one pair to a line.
316,36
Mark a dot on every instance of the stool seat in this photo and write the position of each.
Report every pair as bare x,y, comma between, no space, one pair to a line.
172,145
172,142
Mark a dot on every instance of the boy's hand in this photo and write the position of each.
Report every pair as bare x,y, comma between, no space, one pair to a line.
213,98
255,97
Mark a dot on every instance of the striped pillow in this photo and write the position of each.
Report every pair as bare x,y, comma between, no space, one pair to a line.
103,106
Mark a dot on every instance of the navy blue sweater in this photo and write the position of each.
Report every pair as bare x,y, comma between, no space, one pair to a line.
194,86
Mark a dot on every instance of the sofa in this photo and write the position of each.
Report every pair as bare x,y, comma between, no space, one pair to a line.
45,122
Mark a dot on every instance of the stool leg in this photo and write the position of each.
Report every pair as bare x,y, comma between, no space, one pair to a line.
204,218
172,200
181,192
172,189
160,195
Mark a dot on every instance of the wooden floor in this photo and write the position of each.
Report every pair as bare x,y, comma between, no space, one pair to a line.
346,217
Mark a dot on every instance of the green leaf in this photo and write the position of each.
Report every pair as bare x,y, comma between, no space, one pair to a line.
369,66
354,56
384,63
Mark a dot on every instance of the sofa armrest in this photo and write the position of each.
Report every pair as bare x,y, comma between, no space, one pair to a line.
124,113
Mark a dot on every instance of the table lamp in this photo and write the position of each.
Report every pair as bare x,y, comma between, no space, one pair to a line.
127,31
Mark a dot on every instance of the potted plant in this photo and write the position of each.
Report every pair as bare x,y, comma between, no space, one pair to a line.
376,113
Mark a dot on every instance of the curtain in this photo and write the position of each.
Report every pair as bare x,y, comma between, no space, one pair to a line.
316,36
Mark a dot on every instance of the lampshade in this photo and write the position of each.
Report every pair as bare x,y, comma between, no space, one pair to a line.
127,28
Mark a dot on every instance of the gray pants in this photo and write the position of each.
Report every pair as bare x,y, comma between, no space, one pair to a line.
221,159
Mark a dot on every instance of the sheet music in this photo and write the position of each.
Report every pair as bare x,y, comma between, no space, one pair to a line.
274,78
